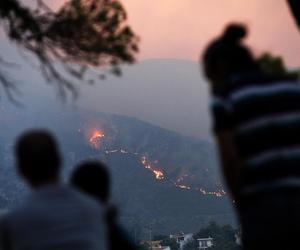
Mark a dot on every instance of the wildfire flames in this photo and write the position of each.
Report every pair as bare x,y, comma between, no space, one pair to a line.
159,175
218,193
95,138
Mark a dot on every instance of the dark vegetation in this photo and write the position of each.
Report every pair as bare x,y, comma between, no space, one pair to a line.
275,65
141,198
81,34
224,238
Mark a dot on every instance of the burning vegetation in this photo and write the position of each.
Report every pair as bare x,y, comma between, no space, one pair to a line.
96,142
95,138
159,175
218,193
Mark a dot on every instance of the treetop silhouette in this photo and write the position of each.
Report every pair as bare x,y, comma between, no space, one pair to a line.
81,34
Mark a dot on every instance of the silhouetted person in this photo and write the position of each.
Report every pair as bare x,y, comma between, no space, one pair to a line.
54,216
256,121
93,178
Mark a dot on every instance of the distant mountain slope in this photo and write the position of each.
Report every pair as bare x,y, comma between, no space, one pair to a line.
158,175
168,92
182,160
144,200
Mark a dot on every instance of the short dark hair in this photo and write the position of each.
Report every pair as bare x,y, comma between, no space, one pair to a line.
228,49
92,177
38,157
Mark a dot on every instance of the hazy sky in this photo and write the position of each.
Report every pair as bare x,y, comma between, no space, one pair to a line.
178,29
182,28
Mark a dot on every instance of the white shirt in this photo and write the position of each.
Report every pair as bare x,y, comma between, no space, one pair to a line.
55,217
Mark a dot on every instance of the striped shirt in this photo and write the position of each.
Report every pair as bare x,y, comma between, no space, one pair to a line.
264,114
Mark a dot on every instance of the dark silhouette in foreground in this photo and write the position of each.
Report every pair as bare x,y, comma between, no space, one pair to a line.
93,178
295,9
54,216
257,124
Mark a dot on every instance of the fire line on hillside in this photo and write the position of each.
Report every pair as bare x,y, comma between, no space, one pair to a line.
95,141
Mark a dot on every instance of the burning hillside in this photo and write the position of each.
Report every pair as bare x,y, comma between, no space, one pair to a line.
95,138
159,175
97,142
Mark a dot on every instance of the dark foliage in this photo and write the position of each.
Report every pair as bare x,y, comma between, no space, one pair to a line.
144,246
171,243
275,65
82,34
167,241
272,64
191,245
223,238
159,237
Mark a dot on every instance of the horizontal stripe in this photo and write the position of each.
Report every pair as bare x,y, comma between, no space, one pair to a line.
256,108
259,91
287,182
266,138
278,119
272,155
265,119
218,102
273,170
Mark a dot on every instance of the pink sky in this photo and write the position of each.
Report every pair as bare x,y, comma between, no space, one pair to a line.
182,28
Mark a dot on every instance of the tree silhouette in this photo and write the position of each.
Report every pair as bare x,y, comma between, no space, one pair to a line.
223,236
67,42
272,64
275,65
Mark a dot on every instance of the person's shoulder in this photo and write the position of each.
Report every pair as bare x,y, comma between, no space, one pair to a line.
54,196
9,217
260,79
19,212
4,214
84,199
251,84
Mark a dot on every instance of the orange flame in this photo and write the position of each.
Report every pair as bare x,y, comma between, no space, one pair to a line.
95,137
159,175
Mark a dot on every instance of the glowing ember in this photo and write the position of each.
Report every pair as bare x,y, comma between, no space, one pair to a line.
159,175
218,193
184,187
95,138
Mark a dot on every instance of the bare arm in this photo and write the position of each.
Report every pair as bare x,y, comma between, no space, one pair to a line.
230,165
